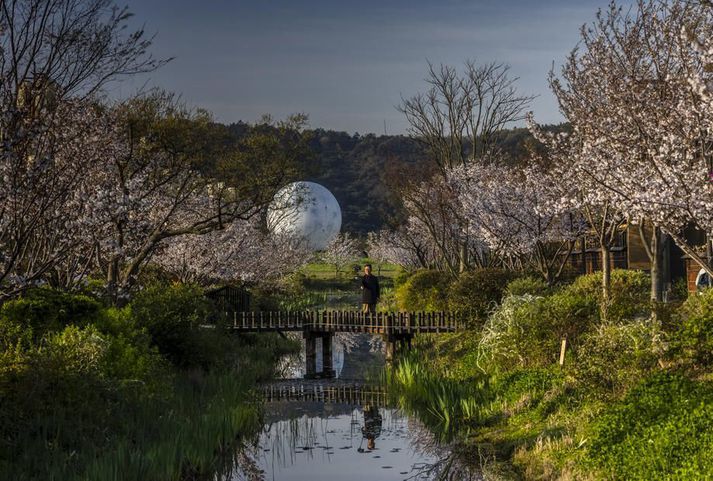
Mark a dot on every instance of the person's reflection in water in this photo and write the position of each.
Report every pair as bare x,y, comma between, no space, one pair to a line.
372,427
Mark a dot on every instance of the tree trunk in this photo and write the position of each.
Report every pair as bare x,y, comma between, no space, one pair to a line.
656,271
112,281
463,257
665,267
656,266
606,281
654,250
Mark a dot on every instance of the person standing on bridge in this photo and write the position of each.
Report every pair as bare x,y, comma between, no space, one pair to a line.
369,291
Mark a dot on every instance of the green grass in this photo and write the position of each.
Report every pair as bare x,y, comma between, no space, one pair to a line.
318,270
326,290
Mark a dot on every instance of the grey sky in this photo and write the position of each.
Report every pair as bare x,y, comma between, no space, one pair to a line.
347,63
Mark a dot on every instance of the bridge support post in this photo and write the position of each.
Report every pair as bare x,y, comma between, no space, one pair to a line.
310,355
327,367
390,348
396,343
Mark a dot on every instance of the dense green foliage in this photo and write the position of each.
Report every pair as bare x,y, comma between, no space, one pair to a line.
629,293
693,342
85,389
44,310
477,292
632,400
424,291
172,316
662,429
527,330
612,355
534,286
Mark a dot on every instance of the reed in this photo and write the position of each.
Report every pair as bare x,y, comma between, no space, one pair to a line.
192,431
447,406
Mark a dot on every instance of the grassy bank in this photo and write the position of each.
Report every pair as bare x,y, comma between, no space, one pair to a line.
633,399
318,286
89,392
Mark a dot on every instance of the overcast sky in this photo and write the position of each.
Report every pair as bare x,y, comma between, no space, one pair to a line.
347,63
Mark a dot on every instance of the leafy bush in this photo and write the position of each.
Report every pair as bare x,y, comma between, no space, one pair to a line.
613,356
662,429
60,379
528,330
503,343
477,292
424,291
172,316
401,277
534,286
692,342
130,358
630,293
48,310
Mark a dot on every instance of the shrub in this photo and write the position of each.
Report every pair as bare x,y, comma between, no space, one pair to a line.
534,286
527,330
172,316
692,342
424,291
48,310
130,357
503,341
75,351
630,293
476,293
401,277
61,377
613,356
662,429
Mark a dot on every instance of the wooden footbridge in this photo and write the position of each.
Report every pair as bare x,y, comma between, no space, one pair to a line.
397,329
346,321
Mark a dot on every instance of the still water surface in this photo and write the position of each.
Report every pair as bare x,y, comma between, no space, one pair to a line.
320,435
310,441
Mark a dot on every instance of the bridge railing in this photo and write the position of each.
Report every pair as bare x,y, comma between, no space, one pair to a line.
348,321
343,394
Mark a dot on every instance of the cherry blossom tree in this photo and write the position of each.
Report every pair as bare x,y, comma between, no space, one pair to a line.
436,220
43,200
240,252
149,188
642,141
340,252
54,56
511,210
458,120
577,191
391,246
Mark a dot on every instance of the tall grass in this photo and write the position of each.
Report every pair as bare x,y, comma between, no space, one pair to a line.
192,431
445,405
190,439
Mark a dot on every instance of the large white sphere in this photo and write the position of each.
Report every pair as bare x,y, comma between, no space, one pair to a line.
306,211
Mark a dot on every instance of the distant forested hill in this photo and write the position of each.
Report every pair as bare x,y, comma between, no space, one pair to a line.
363,171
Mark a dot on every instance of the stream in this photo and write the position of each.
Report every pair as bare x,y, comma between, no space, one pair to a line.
341,429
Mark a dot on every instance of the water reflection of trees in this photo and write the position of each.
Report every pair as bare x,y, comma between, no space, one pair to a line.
282,440
456,460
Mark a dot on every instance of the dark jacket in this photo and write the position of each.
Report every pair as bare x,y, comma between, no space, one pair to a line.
369,289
